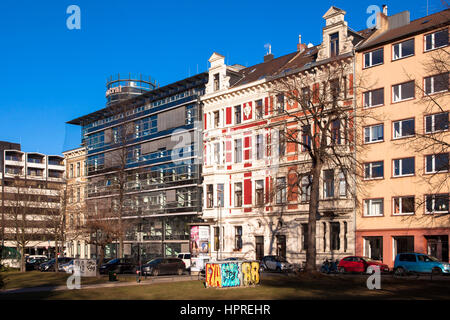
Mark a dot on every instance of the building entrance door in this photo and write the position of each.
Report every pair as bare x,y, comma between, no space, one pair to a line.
437,246
281,246
259,247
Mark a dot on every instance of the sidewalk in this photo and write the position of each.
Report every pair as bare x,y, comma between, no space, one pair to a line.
150,280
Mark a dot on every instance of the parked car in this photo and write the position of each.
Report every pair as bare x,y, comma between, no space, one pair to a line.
360,264
186,257
66,267
33,264
36,256
419,263
159,266
50,265
118,266
275,263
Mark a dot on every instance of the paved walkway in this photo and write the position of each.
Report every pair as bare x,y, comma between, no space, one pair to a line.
149,280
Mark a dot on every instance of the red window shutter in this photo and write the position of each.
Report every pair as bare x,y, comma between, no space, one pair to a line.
266,106
205,120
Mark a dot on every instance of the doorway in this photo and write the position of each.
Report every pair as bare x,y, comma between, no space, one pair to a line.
259,247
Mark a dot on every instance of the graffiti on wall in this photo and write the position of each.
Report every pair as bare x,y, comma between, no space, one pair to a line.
232,274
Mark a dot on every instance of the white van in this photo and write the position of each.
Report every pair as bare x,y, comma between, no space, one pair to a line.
186,257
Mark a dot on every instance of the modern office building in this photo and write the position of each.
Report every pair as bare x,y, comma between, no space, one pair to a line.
250,198
148,147
404,205
31,183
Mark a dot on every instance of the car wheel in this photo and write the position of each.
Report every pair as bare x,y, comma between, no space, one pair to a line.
155,272
341,270
436,271
180,272
399,271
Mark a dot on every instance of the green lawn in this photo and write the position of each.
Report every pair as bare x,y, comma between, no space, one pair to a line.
279,288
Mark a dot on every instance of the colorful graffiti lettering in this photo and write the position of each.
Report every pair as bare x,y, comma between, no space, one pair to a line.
230,275
250,273
213,275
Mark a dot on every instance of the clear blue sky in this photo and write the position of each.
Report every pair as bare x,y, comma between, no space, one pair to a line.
50,74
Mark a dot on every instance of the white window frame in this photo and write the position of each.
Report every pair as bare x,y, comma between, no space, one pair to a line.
433,36
433,122
434,163
370,58
368,204
400,44
370,98
400,92
401,129
432,78
401,167
370,164
371,133
400,206
433,203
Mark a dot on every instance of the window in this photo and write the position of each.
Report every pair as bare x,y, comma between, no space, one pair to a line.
237,114
305,97
403,167
374,98
217,152
334,44
220,195
436,122
403,128
437,83
71,171
373,207
306,188
259,109
238,238
373,58
437,203
78,194
280,103
281,143
216,82
403,205
335,230
216,119
216,238
373,133
342,185
436,163
209,196
374,170
259,147
281,190
336,132
259,192
238,194
306,137
403,49
403,91
328,184
238,150
78,169
436,40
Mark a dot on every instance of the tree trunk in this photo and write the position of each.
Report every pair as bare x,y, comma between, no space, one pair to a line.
56,256
311,252
22,258
100,260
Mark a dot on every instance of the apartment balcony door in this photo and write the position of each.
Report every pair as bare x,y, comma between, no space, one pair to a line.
259,247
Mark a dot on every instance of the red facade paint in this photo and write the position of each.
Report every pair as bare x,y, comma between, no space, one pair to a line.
229,116
248,111
248,191
204,116
266,106
228,156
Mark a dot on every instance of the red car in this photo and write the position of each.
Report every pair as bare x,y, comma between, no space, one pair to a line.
359,264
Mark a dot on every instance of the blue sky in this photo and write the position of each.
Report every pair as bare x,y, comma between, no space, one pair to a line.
50,74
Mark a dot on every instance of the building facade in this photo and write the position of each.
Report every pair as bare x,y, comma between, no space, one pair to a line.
31,185
404,204
76,243
249,200
147,147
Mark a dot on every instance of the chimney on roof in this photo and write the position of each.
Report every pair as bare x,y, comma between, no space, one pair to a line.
300,46
269,56
385,7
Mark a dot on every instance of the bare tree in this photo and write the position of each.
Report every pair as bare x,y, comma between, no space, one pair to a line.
319,118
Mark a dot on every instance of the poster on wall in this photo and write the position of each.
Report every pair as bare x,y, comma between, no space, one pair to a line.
199,246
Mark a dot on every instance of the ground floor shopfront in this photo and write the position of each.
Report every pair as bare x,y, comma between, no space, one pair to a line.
385,244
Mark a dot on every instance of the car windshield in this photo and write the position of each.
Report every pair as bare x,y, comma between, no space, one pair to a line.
157,260
112,261
370,259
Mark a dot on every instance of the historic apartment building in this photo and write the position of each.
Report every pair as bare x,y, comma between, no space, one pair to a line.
249,201
31,185
404,202
76,242
143,157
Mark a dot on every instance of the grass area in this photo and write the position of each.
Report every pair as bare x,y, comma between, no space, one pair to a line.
16,279
272,287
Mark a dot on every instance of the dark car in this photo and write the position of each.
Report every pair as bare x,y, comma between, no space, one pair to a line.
118,266
275,263
33,264
159,266
50,265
